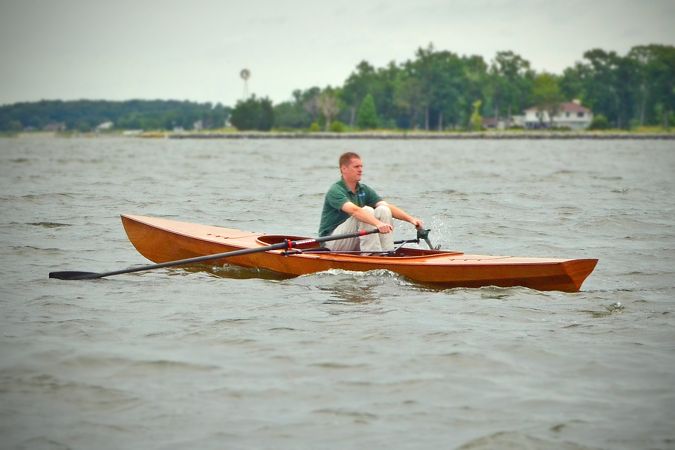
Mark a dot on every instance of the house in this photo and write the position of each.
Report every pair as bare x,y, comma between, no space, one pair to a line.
55,126
105,126
570,115
491,122
500,123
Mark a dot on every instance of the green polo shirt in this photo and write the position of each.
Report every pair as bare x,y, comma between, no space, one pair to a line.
338,194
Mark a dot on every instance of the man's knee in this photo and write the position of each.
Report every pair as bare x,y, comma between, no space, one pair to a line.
383,212
369,210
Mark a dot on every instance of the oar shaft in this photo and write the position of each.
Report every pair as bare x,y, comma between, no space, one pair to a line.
196,259
246,251
287,244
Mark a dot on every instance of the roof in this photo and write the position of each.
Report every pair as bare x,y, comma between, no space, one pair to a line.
570,107
573,107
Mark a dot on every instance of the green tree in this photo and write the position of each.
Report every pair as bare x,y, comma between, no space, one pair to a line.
573,82
547,96
367,114
14,125
599,122
474,86
288,115
329,105
293,114
253,114
476,119
434,89
655,73
384,87
510,83
409,97
448,85
426,71
337,127
380,83
607,82
310,102
359,84
84,115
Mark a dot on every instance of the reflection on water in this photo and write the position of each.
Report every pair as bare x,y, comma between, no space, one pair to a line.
350,293
614,308
358,287
236,272
342,286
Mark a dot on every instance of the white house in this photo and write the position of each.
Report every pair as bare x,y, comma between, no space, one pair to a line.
105,126
570,115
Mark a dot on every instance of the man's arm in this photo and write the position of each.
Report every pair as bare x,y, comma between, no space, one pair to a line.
362,216
399,214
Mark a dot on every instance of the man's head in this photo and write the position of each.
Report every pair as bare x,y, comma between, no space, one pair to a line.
351,167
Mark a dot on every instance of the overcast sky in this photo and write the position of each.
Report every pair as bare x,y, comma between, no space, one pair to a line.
195,49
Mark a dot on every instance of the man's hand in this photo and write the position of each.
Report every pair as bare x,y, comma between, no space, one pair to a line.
416,222
385,228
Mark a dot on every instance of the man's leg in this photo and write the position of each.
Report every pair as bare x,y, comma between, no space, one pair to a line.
371,243
383,214
349,226
374,243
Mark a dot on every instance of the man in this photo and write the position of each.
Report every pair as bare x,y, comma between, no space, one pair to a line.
350,206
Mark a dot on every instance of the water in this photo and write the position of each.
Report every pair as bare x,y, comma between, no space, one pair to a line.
229,358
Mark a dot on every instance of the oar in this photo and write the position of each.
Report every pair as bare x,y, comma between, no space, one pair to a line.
421,234
424,234
287,244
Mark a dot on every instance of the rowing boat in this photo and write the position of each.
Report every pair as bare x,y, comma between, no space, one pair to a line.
161,240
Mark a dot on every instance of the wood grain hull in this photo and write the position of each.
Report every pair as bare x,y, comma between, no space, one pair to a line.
162,240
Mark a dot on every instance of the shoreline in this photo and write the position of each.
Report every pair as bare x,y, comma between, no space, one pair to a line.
420,135
365,135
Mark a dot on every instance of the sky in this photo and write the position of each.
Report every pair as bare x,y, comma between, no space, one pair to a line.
195,49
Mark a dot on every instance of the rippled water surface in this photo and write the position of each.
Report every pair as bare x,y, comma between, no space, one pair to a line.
220,357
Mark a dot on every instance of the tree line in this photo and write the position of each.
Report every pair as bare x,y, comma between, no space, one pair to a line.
439,89
435,90
87,115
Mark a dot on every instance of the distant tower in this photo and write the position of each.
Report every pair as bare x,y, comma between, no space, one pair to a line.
245,74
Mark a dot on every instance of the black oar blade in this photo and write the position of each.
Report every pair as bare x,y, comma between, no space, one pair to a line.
73,275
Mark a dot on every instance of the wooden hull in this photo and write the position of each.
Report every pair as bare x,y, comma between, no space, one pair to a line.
162,240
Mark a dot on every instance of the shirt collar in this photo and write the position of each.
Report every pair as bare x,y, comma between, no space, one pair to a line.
358,185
